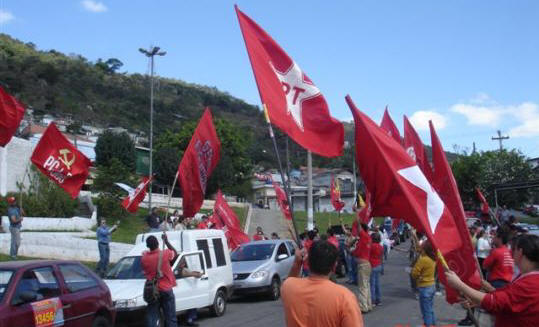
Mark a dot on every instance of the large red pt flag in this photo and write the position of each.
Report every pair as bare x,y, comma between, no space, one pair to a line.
132,201
11,114
397,186
461,260
294,103
415,149
60,161
225,218
198,162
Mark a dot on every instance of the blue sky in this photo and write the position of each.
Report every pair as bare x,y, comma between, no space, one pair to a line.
472,66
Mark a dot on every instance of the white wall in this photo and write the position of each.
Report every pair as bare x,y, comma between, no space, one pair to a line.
54,224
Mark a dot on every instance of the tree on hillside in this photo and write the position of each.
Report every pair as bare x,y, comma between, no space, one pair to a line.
493,167
111,145
110,195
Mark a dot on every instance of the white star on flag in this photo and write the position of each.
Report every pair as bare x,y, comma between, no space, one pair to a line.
297,90
435,205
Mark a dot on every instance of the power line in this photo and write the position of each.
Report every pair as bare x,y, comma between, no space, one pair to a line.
500,139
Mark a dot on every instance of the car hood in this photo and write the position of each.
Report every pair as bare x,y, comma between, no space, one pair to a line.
239,267
125,289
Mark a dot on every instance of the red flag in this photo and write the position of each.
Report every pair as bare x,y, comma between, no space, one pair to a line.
389,126
294,103
365,213
60,161
282,201
461,260
132,201
414,147
11,114
225,218
397,186
336,195
198,162
484,204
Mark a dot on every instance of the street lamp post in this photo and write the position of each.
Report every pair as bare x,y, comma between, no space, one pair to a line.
150,53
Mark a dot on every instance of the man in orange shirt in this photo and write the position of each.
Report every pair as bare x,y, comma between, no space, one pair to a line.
315,301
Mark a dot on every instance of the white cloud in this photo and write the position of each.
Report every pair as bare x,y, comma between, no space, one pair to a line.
528,115
6,17
94,6
480,115
420,120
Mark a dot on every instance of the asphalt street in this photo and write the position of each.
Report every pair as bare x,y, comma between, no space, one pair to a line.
399,306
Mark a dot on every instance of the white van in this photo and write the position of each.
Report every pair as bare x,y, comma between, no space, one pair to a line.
204,250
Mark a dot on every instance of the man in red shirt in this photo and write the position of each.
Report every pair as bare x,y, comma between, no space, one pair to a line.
259,236
362,253
165,284
516,304
499,263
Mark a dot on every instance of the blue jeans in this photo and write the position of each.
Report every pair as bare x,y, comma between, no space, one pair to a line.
426,299
498,283
168,303
192,315
15,241
351,263
104,254
376,295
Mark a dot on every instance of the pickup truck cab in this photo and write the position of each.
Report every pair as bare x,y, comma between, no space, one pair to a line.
204,250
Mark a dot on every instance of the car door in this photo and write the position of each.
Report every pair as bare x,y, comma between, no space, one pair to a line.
37,299
81,295
191,292
283,265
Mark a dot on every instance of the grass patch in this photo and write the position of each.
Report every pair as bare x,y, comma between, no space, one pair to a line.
5,257
529,220
324,219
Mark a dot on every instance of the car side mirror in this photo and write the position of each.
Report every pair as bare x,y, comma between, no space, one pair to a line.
282,257
27,296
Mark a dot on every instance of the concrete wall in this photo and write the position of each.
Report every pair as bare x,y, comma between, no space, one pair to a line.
54,224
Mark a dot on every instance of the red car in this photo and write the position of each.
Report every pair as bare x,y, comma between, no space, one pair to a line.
53,293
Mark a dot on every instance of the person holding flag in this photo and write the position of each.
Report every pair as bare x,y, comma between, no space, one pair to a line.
103,239
423,273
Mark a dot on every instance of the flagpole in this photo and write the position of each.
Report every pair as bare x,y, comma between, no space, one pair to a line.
286,189
291,203
170,195
310,218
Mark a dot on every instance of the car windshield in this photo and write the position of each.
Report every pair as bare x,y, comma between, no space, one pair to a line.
253,252
5,277
126,268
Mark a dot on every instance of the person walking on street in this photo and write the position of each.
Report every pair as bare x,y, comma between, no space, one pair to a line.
315,301
423,273
103,239
376,258
259,235
15,215
167,301
362,254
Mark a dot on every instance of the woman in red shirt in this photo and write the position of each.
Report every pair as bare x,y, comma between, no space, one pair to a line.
516,304
362,253
375,259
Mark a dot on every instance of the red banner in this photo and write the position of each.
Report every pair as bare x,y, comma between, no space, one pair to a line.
132,201
484,204
294,103
282,201
225,218
60,161
415,149
198,162
389,126
336,195
11,114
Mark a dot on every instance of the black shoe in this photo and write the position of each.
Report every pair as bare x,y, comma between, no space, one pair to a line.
465,322
190,323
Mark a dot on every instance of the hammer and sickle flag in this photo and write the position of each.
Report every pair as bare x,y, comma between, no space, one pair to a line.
60,161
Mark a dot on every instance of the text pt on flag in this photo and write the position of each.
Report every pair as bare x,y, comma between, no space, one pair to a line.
198,162
60,161
292,102
11,114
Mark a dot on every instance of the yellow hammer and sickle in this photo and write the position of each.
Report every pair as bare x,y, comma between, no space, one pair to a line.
64,159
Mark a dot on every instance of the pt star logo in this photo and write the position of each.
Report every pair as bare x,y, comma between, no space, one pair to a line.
435,205
297,88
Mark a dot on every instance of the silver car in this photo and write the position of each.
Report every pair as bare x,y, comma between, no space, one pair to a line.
261,266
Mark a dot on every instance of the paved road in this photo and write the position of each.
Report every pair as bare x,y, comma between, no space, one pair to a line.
399,305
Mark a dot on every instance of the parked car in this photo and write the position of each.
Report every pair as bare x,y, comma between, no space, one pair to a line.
261,266
204,250
53,292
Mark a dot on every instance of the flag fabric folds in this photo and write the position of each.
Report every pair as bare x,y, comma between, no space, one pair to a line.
198,162
60,161
365,213
397,186
414,147
282,201
389,126
132,201
11,114
225,218
294,103
461,260
485,209
336,195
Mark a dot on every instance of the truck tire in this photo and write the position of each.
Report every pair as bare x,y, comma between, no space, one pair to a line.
218,307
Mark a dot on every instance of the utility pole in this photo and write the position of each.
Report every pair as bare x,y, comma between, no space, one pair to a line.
500,138
310,214
150,53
